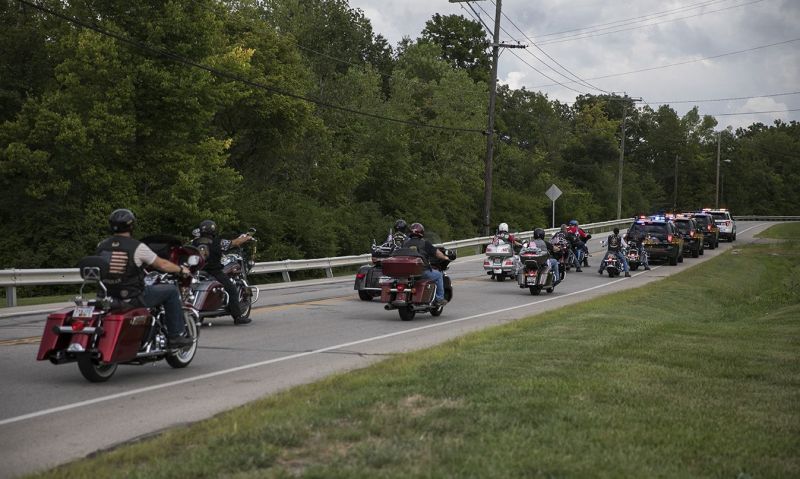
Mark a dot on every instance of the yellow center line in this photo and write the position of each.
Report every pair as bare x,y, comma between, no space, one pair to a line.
12,342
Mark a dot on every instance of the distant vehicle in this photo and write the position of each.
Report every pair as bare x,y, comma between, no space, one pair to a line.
664,241
726,223
707,224
692,236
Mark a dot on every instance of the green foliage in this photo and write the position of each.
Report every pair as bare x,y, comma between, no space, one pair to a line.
89,123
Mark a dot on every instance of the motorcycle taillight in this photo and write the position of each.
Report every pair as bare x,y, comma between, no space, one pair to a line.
401,287
78,325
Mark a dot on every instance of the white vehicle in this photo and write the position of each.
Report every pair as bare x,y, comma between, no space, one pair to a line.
500,262
725,222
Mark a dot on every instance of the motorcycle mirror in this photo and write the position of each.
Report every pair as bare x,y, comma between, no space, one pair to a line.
193,260
251,230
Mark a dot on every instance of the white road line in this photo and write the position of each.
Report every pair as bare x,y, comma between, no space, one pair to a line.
155,387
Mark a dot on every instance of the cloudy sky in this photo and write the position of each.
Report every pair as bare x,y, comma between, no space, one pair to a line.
743,51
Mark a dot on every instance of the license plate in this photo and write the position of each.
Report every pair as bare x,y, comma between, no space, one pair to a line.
498,262
531,279
83,312
498,270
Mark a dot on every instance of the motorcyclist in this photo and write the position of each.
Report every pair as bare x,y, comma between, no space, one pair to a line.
212,247
637,234
538,240
503,234
399,233
581,250
564,240
127,257
616,244
425,248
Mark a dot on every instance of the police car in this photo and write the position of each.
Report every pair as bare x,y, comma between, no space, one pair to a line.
692,235
723,218
663,240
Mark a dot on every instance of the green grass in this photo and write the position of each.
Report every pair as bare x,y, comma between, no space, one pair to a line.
696,375
782,231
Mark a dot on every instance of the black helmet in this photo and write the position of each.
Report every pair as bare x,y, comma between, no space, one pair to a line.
538,233
401,226
417,230
121,221
208,228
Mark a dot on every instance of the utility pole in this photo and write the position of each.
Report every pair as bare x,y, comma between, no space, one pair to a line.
487,169
716,190
622,157
675,188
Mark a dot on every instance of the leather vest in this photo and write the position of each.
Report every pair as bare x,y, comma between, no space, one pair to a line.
614,243
418,245
214,248
125,280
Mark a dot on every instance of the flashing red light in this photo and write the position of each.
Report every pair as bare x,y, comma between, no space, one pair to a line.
669,238
78,325
360,276
401,288
691,234
708,227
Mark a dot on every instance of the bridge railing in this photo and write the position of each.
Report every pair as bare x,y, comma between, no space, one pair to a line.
14,278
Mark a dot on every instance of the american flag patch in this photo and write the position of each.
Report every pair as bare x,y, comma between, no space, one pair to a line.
119,260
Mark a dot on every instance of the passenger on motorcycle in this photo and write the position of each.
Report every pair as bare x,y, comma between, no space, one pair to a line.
538,240
566,242
616,244
581,250
426,249
637,234
212,247
127,257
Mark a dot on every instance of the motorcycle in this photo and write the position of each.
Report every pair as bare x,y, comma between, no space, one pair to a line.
500,260
562,251
613,266
404,289
102,333
209,297
368,276
536,273
634,259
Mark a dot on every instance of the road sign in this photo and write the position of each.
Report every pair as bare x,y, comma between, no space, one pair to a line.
553,192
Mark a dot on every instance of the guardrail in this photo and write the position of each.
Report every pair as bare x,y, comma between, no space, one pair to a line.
14,278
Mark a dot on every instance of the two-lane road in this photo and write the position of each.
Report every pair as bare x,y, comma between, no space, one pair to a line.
50,415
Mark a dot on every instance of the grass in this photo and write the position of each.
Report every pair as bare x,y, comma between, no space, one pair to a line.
693,376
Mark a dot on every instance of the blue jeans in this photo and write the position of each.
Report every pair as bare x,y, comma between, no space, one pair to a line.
436,275
622,259
554,266
643,256
169,296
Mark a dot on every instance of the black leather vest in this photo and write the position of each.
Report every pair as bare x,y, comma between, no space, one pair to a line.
214,248
125,280
417,244
614,243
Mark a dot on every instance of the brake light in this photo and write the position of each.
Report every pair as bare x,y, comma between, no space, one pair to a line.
708,227
360,276
78,325
401,288
508,262
691,234
669,238
727,223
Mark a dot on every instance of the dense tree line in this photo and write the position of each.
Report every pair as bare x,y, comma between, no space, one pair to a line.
186,110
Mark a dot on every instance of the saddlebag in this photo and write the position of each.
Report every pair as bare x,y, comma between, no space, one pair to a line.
423,291
403,266
123,334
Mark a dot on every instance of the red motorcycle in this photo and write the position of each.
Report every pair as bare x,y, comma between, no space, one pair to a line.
102,333
404,289
208,296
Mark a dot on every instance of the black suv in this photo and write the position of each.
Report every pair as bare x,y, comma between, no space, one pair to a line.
663,240
692,236
706,223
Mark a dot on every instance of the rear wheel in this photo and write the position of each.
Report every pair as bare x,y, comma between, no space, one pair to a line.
695,253
702,250
680,258
406,313
182,357
365,296
535,290
94,371
549,290
673,260
500,277
437,311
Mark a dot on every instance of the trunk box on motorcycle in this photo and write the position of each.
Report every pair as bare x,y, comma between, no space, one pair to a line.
123,334
533,258
502,250
209,294
403,266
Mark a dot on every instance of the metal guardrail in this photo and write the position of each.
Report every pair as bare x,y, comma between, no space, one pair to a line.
13,278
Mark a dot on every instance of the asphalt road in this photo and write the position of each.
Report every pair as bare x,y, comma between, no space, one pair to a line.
50,415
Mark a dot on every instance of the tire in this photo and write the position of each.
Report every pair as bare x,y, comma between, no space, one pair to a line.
680,258
95,372
635,267
535,290
695,252
702,250
500,277
673,260
406,313
365,296
437,311
182,357
549,290
244,300
733,238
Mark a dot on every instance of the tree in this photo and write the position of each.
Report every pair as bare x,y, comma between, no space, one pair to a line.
463,42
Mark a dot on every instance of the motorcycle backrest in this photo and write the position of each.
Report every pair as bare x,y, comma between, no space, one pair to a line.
93,268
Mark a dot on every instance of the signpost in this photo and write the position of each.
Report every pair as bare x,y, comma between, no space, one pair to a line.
553,193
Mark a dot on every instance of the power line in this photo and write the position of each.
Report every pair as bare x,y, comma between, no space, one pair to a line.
591,35
726,99
222,74
582,81
683,62
754,112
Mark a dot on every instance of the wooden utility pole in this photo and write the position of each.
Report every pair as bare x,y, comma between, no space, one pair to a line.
622,157
716,190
